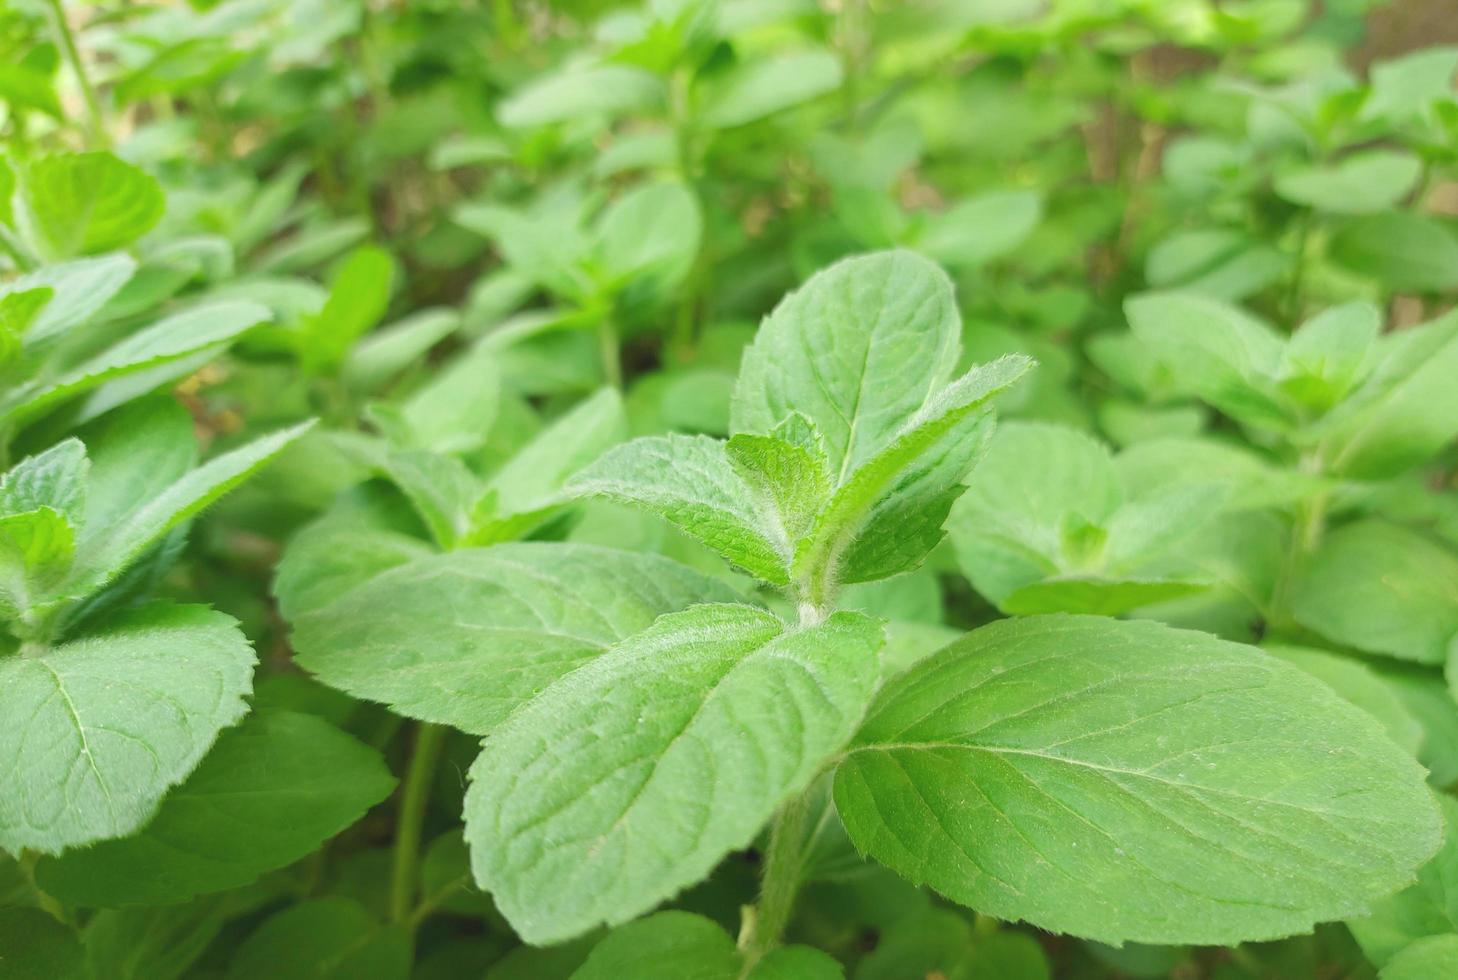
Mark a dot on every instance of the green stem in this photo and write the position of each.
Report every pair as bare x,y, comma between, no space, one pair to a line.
67,41
784,866
1298,274
607,349
414,798
46,901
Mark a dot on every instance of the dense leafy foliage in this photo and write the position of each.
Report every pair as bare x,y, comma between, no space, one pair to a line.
728,489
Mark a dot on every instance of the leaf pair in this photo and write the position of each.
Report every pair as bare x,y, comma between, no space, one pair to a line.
848,447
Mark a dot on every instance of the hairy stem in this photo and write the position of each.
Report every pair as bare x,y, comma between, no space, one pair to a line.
414,798
784,864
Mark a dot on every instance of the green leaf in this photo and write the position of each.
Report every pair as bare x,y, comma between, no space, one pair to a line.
763,87
578,92
788,480
1407,86
23,87
169,340
632,776
160,943
18,310
1358,684
1428,907
669,945
1405,411
691,482
1372,180
650,234
1126,781
36,551
75,204
464,638
34,946
453,412
1412,615
387,352
1406,252
888,514
358,296
1213,350
79,289
323,939
857,350
101,727
268,793
55,478
1432,704
796,963
103,557
1329,354
136,453
1426,959
981,228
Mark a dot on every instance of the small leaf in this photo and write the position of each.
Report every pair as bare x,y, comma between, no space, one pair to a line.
1406,252
290,781
169,340
358,296
1426,959
55,478
888,514
76,204
36,551
691,482
464,638
660,756
79,289
668,945
100,727
329,938
1428,907
1373,180
1330,354
1126,781
857,350
577,92
981,228
103,557
756,89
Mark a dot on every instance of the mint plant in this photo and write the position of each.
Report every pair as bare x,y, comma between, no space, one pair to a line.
727,489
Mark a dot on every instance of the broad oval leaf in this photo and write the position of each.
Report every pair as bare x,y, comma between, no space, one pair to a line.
757,89
269,792
631,777
577,92
99,728
464,638
1128,781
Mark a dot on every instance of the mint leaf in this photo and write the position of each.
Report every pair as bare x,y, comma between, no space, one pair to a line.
646,759
103,557
34,946
857,350
269,792
1126,781
888,514
79,289
1412,616
578,92
1428,907
169,340
1435,956
55,478
464,638
36,551
358,295
691,482
762,87
331,938
665,946
1403,251
83,203
1373,180
100,727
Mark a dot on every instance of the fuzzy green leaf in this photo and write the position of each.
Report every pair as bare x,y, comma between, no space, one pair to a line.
99,728
1127,781
268,793
84,203
631,777
464,638
691,482
857,350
